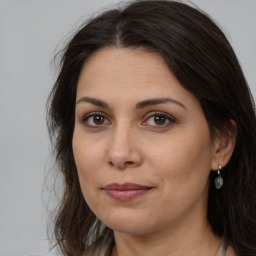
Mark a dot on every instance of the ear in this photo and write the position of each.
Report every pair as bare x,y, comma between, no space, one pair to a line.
224,144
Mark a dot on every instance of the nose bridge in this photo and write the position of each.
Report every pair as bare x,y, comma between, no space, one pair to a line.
121,139
123,150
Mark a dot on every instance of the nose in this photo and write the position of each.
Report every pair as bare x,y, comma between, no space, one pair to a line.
124,150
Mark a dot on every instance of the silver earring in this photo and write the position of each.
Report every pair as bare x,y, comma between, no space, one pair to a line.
219,179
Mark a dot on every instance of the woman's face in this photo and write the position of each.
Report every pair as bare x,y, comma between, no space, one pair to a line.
141,143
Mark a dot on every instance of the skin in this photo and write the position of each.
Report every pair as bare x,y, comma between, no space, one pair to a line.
125,142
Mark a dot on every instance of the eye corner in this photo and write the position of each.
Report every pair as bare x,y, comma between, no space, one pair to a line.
95,120
158,120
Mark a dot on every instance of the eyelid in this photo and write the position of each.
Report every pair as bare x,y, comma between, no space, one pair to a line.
149,115
169,117
91,114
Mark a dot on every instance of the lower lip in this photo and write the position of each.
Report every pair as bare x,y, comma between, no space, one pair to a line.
126,195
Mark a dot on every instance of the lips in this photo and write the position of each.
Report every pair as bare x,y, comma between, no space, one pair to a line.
125,192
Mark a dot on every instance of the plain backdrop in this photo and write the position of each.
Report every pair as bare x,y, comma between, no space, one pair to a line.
30,31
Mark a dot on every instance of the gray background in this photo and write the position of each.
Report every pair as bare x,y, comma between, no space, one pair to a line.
30,30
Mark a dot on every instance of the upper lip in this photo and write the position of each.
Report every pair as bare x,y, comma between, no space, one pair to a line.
125,186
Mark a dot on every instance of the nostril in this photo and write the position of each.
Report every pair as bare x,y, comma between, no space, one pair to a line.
121,165
111,163
128,163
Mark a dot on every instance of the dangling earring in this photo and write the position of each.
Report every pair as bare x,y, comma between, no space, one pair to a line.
219,179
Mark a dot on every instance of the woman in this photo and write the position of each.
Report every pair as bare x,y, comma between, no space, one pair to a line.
155,134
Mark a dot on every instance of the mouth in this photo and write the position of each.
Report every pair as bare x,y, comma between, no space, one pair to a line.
125,192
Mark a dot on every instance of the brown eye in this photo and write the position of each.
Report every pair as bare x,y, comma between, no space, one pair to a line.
95,120
159,120
98,120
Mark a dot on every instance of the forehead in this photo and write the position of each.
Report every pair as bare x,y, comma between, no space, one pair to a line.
136,73
114,63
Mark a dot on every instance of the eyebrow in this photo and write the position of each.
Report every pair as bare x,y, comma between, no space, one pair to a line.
152,102
139,105
93,101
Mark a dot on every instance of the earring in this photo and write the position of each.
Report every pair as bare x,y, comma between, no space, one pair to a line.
219,179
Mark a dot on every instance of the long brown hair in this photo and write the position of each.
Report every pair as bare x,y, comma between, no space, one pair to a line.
201,58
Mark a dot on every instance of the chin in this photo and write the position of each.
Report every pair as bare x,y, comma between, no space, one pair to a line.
129,224
131,229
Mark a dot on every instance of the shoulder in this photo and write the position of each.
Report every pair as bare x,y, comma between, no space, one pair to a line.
230,251
101,247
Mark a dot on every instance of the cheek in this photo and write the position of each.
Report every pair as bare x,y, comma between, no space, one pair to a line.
183,161
88,159
88,153
84,158
183,173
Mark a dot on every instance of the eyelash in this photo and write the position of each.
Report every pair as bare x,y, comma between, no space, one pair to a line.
167,117
93,114
170,119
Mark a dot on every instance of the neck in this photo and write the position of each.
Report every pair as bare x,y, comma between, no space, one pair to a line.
192,237
192,244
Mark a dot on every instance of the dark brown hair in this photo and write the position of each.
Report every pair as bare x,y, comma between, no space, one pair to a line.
201,58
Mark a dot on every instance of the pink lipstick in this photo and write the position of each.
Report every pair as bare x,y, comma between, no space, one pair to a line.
125,192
